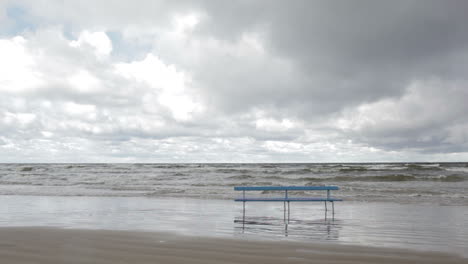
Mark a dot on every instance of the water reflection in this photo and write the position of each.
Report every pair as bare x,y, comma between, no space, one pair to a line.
319,229
423,227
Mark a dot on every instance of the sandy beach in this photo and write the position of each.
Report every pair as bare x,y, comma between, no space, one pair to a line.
51,245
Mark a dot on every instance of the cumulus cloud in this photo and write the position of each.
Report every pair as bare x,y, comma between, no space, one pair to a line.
233,81
98,41
167,84
18,69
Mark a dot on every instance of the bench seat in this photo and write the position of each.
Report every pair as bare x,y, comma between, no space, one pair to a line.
285,188
289,199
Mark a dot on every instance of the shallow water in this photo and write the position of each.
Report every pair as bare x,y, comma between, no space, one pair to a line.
413,226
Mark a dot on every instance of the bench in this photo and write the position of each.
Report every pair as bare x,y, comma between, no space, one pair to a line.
286,199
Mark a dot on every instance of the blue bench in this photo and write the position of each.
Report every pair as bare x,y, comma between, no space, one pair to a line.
286,199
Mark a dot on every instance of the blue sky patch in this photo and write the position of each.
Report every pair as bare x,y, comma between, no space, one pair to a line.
21,21
125,50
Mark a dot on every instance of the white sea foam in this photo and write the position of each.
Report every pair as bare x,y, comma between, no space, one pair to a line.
458,169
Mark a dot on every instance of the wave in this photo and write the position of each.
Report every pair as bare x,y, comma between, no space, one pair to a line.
241,177
87,183
20,183
384,178
296,172
234,170
389,178
352,169
165,192
275,177
180,174
268,165
430,166
76,166
263,183
451,178
458,169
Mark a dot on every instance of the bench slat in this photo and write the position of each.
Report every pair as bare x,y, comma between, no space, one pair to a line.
292,199
284,188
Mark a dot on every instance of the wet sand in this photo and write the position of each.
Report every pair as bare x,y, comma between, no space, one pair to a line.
53,245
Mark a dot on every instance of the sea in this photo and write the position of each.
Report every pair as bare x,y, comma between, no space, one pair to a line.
431,183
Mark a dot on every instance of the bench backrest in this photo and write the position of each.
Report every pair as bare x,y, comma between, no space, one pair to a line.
285,188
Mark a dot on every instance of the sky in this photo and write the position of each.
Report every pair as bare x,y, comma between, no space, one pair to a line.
233,81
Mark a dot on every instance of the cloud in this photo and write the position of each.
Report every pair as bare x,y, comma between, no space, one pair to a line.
233,81
344,54
98,41
17,67
428,117
167,84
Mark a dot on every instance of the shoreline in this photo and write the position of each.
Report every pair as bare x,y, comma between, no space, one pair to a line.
231,199
55,245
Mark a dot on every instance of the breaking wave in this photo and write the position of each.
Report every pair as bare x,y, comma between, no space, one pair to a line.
389,178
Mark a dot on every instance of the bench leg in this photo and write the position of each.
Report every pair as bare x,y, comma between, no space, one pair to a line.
326,206
243,214
289,211
333,208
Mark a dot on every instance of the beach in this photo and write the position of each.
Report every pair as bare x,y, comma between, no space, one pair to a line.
102,225
108,213
47,245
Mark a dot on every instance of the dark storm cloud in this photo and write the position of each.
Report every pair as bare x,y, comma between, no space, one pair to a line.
348,52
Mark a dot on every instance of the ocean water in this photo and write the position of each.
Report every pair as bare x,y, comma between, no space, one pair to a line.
425,183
